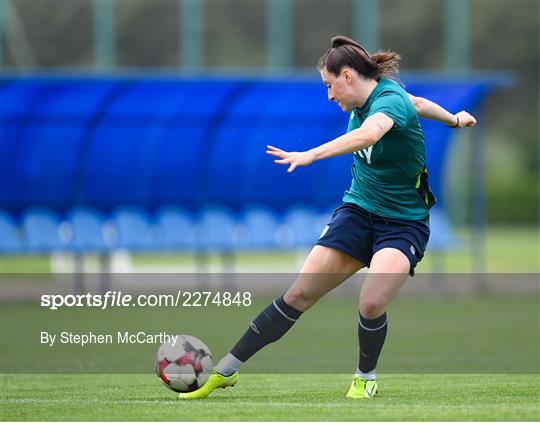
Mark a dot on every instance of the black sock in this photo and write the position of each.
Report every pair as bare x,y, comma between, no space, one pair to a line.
273,322
371,336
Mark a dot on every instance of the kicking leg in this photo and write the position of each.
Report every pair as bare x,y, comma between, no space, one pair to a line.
325,268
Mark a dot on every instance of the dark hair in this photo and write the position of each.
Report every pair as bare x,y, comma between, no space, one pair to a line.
347,52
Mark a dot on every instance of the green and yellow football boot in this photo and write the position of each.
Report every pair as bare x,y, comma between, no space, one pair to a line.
214,382
361,388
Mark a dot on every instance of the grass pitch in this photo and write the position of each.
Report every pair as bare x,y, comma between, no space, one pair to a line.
272,397
458,335
482,335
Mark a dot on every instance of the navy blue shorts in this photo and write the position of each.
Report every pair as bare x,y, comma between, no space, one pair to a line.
360,234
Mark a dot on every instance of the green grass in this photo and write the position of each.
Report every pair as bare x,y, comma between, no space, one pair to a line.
483,335
446,371
507,250
458,335
272,397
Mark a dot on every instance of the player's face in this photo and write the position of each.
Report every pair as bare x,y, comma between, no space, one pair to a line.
339,89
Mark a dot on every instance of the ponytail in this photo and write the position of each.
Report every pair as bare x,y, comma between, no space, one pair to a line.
347,52
387,62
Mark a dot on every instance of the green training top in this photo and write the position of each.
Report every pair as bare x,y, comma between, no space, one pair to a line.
389,178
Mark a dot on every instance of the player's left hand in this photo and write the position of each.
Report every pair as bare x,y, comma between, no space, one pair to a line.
465,119
292,158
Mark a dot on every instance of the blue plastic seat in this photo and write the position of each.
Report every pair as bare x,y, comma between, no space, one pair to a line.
88,230
260,226
304,226
218,230
177,229
133,229
42,231
10,240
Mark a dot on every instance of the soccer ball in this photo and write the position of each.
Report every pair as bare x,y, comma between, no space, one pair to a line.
184,365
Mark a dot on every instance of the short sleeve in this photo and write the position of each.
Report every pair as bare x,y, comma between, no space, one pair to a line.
392,106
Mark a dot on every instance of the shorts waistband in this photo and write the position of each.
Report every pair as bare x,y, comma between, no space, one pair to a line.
374,216
364,212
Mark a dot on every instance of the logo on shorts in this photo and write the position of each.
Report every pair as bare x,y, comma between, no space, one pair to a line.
323,233
254,328
413,250
352,115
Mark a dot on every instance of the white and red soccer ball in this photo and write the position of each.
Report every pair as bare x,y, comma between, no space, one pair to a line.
184,365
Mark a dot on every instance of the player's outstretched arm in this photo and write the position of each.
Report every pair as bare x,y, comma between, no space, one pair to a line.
371,131
430,110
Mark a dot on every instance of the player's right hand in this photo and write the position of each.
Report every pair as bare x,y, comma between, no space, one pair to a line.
292,158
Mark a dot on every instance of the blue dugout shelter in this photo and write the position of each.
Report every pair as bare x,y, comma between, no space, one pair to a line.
196,146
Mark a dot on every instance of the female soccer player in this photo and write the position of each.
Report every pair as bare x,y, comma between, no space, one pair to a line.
383,222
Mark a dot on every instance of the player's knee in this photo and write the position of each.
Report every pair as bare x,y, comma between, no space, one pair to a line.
299,299
372,308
